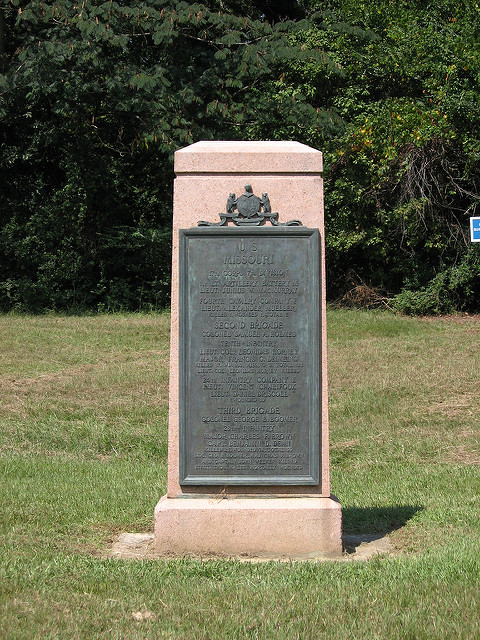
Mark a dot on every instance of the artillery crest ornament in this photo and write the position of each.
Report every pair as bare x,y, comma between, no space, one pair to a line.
248,209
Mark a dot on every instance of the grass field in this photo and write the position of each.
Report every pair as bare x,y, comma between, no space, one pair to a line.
83,427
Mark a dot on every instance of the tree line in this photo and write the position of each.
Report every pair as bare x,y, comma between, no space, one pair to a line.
96,96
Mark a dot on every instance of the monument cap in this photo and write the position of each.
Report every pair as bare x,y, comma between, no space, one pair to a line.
248,157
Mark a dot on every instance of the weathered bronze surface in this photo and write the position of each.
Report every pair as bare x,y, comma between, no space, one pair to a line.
250,344
248,209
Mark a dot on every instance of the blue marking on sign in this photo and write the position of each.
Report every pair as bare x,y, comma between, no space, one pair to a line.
475,229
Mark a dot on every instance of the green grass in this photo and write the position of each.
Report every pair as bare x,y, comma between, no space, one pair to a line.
83,428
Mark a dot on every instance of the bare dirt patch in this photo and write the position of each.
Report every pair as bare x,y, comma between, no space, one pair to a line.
131,546
345,444
455,406
463,455
140,546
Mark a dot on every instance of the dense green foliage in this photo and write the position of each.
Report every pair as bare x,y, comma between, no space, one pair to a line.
405,176
95,97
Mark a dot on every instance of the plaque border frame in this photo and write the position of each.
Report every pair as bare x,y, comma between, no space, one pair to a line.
315,342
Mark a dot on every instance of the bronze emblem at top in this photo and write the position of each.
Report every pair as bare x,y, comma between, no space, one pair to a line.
248,209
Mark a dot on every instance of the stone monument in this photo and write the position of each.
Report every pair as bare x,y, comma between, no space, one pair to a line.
248,461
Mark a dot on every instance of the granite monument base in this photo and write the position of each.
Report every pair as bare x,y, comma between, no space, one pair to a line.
293,527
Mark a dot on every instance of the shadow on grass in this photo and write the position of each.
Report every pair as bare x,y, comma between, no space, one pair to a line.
378,521
369,524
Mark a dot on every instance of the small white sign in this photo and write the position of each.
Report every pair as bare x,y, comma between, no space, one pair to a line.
475,229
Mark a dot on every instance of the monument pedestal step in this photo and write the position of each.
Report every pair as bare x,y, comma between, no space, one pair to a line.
291,527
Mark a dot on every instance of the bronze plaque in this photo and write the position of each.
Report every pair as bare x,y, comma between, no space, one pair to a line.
250,378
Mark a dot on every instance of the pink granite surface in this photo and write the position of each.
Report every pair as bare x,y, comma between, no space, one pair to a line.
247,157
271,527
206,173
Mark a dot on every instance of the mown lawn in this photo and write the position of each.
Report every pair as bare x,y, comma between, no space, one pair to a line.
83,428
